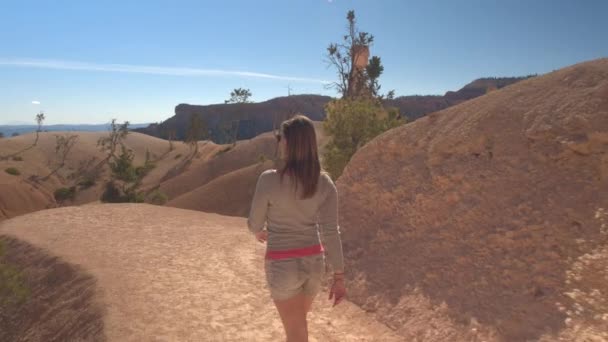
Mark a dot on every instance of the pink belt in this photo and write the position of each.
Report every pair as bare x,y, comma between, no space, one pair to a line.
294,253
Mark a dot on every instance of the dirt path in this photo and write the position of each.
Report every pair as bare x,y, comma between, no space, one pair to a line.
168,274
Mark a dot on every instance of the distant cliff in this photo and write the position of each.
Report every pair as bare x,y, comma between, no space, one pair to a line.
417,106
253,118
256,118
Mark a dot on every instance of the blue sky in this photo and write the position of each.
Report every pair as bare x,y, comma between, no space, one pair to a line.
89,61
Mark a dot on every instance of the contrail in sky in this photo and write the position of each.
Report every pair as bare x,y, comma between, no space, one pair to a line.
145,69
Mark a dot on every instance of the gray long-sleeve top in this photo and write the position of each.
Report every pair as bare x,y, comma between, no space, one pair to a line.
293,222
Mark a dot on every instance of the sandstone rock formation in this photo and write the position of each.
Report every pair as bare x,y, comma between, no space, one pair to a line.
223,161
254,118
21,194
225,183
229,194
488,219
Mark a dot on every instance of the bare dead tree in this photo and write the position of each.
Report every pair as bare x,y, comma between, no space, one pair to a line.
39,120
109,144
63,146
235,131
171,137
197,130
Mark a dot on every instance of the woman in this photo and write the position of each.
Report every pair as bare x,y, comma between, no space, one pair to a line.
298,203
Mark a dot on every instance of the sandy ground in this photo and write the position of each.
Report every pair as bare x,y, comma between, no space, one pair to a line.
166,274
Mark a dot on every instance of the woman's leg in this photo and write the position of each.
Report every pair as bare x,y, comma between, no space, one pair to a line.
293,314
308,302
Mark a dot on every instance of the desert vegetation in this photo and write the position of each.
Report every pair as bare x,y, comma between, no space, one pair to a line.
197,130
64,194
360,114
126,178
39,118
239,95
12,171
63,146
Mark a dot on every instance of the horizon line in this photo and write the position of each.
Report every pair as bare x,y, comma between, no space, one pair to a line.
69,124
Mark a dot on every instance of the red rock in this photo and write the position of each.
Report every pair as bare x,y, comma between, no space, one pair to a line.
487,189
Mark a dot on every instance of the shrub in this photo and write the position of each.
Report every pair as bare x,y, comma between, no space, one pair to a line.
134,197
352,123
126,178
64,194
112,193
12,171
86,182
158,197
18,158
142,171
122,166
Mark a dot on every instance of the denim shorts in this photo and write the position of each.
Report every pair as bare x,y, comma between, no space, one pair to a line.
289,277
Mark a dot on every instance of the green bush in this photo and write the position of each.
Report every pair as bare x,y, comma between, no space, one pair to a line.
134,197
142,171
352,123
12,286
18,158
126,178
122,166
64,194
12,171
113,194
158,197
86,183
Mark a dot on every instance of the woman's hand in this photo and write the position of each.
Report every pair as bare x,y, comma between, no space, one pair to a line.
338,289
262,236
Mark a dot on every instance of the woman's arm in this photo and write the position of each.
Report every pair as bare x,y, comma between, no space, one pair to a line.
329,228
259,205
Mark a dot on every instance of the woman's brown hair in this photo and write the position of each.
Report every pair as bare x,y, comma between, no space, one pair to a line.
302,159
